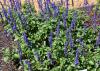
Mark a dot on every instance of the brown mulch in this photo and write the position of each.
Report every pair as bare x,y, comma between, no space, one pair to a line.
5,42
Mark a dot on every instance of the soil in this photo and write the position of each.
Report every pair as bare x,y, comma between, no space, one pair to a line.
5,42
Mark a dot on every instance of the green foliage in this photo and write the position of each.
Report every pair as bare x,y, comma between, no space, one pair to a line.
38,30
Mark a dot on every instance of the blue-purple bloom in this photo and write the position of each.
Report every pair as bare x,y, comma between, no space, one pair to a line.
50,39
5,2
11,4
73,22
71,41
85,2
68,31
56,11
77,57
14,27
9,12
25,38
98,40
4,12
80,41
49,56
19,51
48,1
67,4
47,9
29,65
65,22
53,5
17,5
65,48
40,4
58,29
94,21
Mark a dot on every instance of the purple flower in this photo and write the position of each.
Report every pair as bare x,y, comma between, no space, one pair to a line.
76,57
11,16
98,40
22,19
73,20
47,9
58,29
94,21
80,41
65,47
48,1
61,2
11,4
40,4
63,15
56,9
50,39
56,12
19,51
66,12
65,22
49,56
5,2
29,65
67,4
85,2
14,27
25,38
5,31
67,33
53,5
71,41
4,12
89,9
9,12
17,5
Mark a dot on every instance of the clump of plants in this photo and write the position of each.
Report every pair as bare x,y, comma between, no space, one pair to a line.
56,39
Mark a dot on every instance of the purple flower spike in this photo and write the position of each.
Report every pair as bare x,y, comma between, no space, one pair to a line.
65,22
56,12
17,5
98,40
14,27
76,57
73,22
65,48
48,1
68,33
67,4
49,56
19,51
50,39
4,12
85,2
80,41
58,29
25,38
29,65
53,5
71,41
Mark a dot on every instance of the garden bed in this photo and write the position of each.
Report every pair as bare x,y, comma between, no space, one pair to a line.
57,39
